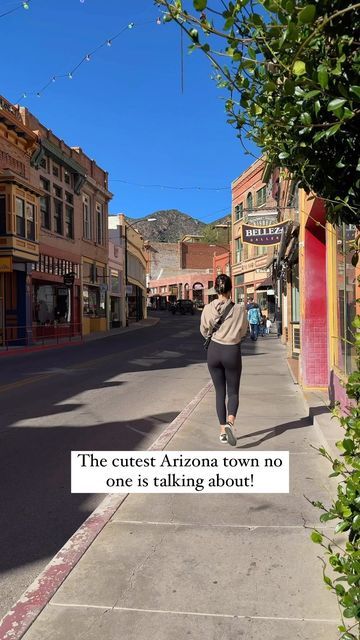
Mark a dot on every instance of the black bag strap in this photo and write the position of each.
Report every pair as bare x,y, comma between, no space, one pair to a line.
221,319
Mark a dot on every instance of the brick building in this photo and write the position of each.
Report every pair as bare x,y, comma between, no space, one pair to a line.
73,238
254,202
190,274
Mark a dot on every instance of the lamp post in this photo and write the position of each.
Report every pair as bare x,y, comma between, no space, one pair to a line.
130,226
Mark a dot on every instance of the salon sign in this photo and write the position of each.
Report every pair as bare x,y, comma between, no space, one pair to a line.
263,236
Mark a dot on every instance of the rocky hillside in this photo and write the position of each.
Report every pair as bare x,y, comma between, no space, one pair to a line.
170,226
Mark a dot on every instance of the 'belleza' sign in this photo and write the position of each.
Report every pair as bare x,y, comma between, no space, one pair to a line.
269,235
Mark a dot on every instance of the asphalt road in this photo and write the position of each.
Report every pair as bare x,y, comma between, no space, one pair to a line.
116,393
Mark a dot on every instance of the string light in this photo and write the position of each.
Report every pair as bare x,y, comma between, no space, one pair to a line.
86,58
173,188
21,5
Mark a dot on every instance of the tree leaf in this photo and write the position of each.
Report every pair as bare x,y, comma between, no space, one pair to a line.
336,104
333,130
316,537
200,5
355,89
323,76
299,68
307,14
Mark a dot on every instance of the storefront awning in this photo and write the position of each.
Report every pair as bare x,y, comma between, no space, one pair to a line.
265,284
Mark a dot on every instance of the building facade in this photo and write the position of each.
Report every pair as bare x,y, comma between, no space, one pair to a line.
123,235
254,204
19,224
116,288
69,282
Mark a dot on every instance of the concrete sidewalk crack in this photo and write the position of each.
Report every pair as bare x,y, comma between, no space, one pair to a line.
137,570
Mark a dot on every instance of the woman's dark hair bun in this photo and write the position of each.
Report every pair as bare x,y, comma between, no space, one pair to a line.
223,283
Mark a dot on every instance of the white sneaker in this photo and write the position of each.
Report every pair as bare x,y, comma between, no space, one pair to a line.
230,434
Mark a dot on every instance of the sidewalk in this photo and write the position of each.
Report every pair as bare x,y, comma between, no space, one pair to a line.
222,567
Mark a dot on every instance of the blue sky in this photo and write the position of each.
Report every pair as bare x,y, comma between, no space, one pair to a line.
125,107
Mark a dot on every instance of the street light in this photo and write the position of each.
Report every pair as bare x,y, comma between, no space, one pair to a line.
131,226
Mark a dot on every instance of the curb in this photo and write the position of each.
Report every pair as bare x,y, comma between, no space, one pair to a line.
21,616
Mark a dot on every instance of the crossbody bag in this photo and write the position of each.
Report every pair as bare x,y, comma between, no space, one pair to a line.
217,325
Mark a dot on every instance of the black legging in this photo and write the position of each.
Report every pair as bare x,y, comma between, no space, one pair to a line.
224,362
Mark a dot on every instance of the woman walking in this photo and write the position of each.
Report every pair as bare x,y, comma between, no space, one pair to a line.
225,323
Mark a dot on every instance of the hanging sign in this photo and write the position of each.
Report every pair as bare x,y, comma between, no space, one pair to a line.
263,236
5,264
69,278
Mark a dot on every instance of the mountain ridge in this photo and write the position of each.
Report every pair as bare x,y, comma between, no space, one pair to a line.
171,225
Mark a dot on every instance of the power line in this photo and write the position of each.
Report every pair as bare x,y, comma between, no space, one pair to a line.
171,187
86,58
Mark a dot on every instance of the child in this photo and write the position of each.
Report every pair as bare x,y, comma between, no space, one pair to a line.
268,325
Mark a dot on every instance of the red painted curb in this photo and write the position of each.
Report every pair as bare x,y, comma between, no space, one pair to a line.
21,616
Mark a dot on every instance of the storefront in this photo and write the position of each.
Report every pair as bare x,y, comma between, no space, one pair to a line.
55,297
135,303
115,298
344,291
94,296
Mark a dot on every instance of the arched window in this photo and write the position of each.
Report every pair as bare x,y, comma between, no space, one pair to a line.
249,201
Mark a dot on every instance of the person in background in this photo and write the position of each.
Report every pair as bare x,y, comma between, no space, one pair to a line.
268,326
224,353
254,318
251,304
262,328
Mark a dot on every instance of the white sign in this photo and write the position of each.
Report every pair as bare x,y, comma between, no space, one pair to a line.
179,472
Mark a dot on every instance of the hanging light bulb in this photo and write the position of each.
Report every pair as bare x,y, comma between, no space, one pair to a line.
158,21
38,94
131,25
24,95
26,5
87,57
70,76
109,43
53,79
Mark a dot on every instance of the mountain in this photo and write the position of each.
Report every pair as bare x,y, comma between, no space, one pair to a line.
170,226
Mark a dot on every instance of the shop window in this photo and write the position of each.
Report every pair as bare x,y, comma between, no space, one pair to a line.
261,250
52,304
58,216
2,215
94,301
20,217
295,294
86,217
69,222
69,197
346,282
45,212
99,223
30,221
261,197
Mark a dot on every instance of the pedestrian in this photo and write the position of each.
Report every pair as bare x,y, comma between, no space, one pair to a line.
268,326
224,325
262,328
251,304
254,318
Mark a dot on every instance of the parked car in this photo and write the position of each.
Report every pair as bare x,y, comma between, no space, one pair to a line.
182,306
